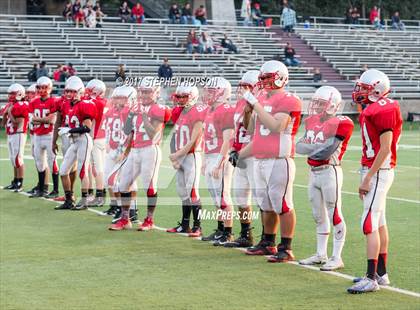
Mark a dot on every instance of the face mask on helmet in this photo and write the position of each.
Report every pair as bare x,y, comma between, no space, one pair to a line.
271,81
72,95
30,95
15,92
12,96
212,96
148,95
181,99
43,90
361,93
318,106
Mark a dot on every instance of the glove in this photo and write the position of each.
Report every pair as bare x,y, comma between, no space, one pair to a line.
250,98
235,160
63,131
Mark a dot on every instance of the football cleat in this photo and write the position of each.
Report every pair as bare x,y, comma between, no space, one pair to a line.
52,195
245,240
33,190
112,210
81,205
67,205
282,256
37,194
121,225
314,260
332,264
117,215
97,202
146,225
262,248
18,187
217,234
133,216
382,280
365,285
11,186
195,232
179,229
227,237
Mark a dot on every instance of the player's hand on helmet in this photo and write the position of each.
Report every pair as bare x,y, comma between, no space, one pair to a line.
364,187
63,131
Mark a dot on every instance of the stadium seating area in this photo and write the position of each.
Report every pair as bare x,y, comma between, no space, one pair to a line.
97,52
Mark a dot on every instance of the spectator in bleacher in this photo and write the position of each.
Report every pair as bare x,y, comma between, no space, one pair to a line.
165,70
206,44
174,14
72,71
347,16
75,8
57,73
355,15
120,73
228,44
79,18
138,13
375,17
289,56
124,12
99,14
90,17
64,74
246,12
396,21
32,73
288,20
317,78
256,15
192,41
200,15
67,12
42,70
187,16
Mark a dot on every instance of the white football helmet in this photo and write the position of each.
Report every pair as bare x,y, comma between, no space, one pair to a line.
248,82
95,88
148,90
371,86
129,96
44,80
74,83
185,95
217,90
327,99
31,92
16,92
273,75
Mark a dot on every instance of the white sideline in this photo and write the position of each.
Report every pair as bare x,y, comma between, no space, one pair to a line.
334,273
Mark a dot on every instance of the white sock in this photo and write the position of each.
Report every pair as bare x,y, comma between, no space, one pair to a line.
339,239
321,244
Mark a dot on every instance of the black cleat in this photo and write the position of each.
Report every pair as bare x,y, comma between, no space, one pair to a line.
133,216
282,256
18,187
262,248
117,215
214,236
227,237
245,240
179,229
81,205
111,211
52,195
67,205
37,194
11,186
33,190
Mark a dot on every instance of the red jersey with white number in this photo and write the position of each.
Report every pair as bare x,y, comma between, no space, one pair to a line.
100,104
242,137
82,110
319,130
267,144
379,117
184,126
216,121
63,106
157,112
19,110
114,120
39,107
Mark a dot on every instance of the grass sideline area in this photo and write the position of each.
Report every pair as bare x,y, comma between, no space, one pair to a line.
69,260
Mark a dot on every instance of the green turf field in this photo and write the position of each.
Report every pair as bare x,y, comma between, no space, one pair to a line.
69,260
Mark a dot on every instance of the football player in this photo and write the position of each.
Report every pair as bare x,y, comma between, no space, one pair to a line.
243,183
186,156
42,118
325,142
81,115
277,116
144,126
15,119
381,125
95,91
218,132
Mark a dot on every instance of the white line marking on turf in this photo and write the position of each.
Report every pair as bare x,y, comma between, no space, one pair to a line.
334,273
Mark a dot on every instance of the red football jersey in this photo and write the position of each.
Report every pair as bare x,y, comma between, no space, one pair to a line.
267,144
63,106
379,117
114,120
242,137
185,124
42,108
215,122
154,112
82,110
19,110
318,131
100,104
